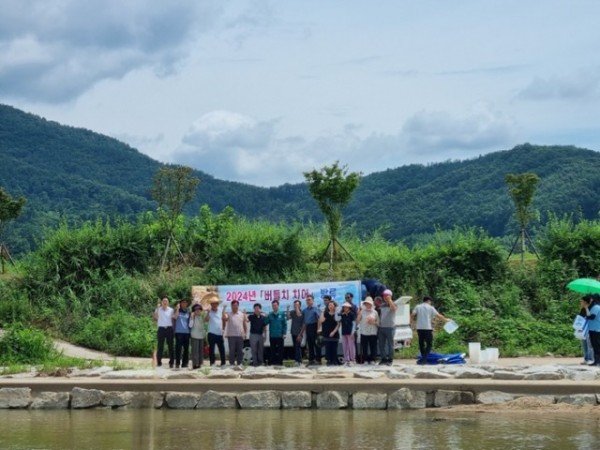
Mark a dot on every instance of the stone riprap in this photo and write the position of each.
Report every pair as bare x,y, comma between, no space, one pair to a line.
401,399
360,387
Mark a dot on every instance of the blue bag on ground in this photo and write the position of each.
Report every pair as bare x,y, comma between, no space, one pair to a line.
438,358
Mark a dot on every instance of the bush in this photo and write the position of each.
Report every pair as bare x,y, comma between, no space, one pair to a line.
14,303
577,246
73,258
20,345
260,251
119,333
469,254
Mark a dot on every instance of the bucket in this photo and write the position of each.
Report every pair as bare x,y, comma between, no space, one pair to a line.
450,326
493,353
474,352
484,356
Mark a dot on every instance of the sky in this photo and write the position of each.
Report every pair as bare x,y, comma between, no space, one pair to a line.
260,91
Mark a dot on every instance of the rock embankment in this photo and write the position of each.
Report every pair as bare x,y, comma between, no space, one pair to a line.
401,399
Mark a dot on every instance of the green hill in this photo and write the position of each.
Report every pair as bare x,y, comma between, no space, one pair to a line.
76,174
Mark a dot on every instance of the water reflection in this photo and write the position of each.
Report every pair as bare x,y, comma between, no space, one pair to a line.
167,429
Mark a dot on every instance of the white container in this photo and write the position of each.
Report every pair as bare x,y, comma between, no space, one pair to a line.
474,352
450,326
494,354
484,356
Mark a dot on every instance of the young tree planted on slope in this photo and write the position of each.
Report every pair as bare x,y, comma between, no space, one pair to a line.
10,209
332,188
173,188
522,187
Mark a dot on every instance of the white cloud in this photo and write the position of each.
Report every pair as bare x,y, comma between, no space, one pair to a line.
54,50
235,147
584,84
435,131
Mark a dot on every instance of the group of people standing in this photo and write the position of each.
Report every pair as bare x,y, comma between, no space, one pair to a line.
366,331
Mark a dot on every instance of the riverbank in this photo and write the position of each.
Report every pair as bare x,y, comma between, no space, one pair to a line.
403,386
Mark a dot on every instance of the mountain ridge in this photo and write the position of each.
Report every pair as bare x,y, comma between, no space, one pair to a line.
79,174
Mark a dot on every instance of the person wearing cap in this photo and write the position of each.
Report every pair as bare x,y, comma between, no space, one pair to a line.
182,333
423,315
215,331
368,321
347,322
198,333
277,323
235,331
385,333
296,318
258,325
163,315
311,318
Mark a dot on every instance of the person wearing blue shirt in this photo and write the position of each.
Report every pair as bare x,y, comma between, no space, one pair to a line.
310,327
182,333
592,311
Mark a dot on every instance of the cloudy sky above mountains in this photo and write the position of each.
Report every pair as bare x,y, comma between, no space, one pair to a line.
259,91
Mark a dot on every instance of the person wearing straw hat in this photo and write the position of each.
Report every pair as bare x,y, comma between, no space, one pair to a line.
368,321
215,331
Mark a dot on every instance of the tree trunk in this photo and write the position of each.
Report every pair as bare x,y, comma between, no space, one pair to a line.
522,245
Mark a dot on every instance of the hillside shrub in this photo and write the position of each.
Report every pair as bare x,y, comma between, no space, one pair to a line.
260,248
72,258
470,254
21,345
14,303
119,333
576,245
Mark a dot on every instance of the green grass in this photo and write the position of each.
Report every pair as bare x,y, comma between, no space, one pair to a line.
58,365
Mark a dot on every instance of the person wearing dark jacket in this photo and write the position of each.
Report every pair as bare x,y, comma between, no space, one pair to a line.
329,328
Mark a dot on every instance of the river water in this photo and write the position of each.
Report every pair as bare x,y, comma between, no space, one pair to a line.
349,430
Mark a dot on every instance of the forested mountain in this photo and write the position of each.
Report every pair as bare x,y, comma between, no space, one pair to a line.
77,174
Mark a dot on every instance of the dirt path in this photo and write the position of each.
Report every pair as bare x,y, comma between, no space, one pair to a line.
76,351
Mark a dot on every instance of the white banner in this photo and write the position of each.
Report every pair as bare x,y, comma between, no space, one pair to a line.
250,294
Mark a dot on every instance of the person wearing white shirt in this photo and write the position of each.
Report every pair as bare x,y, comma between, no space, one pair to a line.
197,332
163,315
214,318
423,316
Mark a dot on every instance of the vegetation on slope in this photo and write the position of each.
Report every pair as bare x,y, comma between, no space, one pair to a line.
97,284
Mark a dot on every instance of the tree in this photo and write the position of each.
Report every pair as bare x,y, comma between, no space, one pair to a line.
173,188
521,188
332,188
10,209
